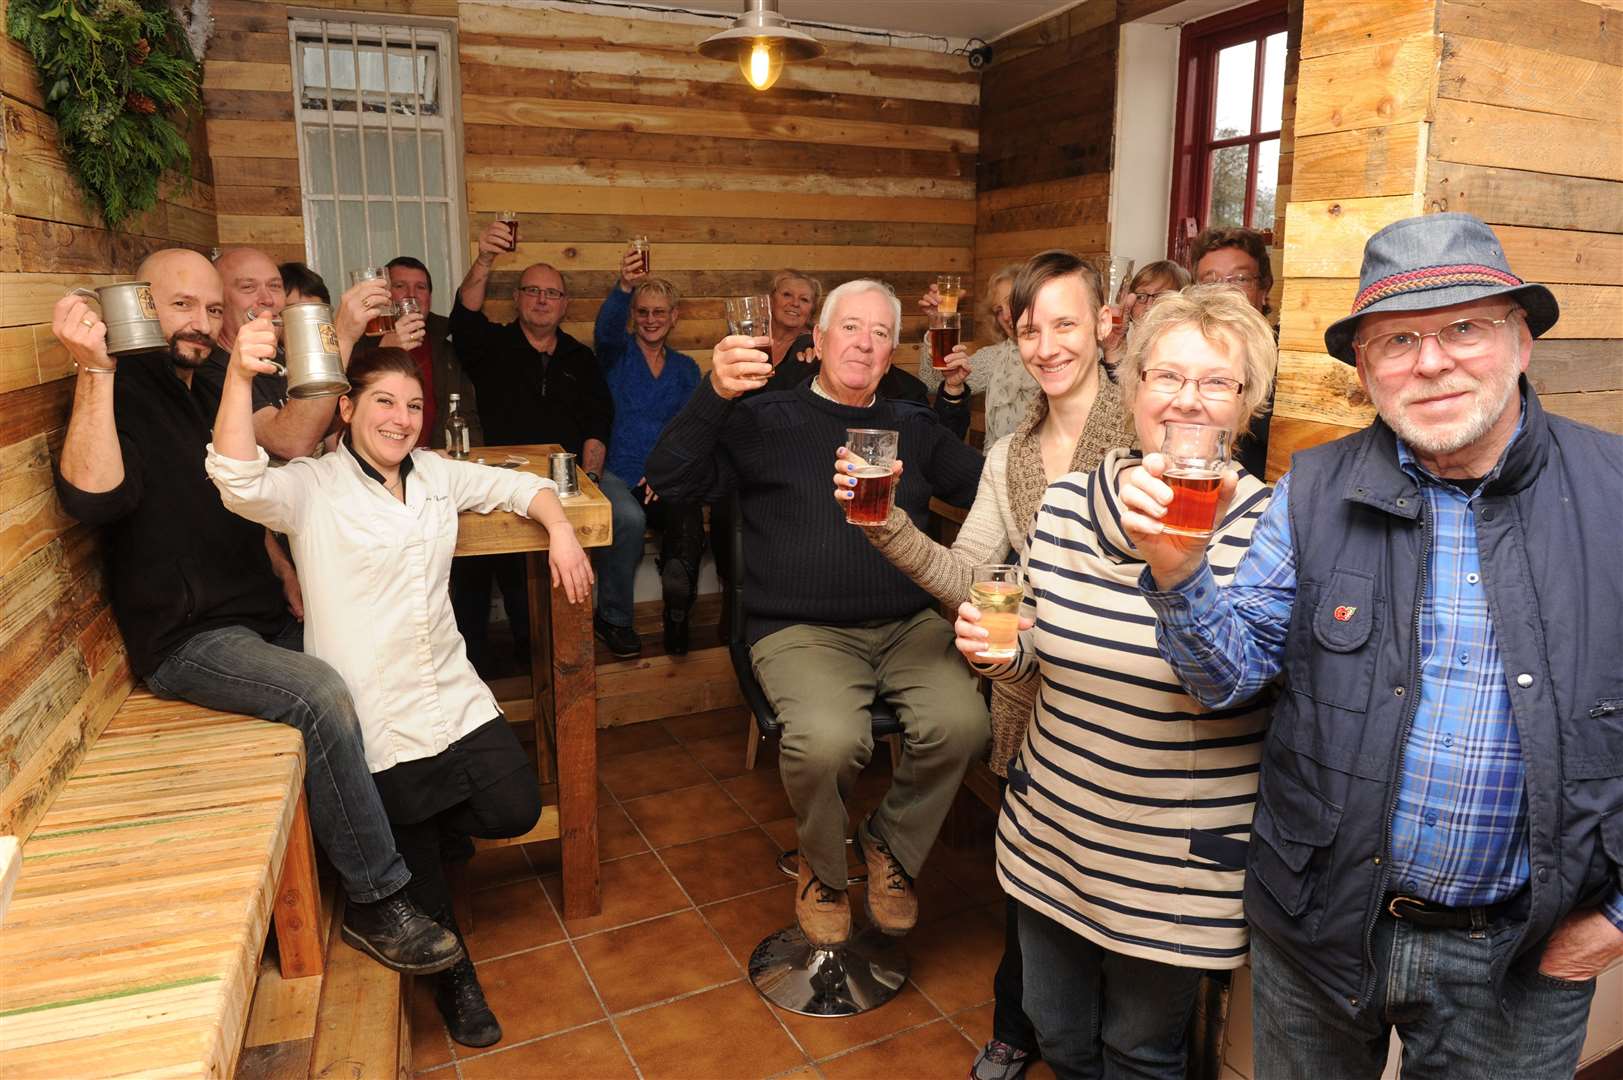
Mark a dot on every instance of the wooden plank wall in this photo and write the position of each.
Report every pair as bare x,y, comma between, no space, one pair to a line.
598,128
62,664
1048,103
1504,108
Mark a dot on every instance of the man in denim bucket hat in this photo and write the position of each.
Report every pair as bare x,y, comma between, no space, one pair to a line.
1438,842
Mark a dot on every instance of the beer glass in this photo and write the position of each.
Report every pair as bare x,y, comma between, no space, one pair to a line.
1196,457
995,590
875,490
407,305
510,219
1119,273
951,287
639,244
131,316
749,316
382,321
945,327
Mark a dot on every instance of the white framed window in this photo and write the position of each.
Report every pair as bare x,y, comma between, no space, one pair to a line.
380,151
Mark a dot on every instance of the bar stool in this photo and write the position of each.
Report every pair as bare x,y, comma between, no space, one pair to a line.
869,968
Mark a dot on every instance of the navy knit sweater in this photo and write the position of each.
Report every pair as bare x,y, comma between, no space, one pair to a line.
802,562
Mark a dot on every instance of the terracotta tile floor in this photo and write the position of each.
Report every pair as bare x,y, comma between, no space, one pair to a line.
655,986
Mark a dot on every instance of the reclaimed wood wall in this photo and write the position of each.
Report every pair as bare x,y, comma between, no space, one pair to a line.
1507,109
597,128
63,670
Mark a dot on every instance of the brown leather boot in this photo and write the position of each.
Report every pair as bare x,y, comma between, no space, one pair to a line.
824,914
893,906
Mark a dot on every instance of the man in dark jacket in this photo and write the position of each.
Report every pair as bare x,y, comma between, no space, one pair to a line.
536,384
194,596
435,356
831,623
1438,843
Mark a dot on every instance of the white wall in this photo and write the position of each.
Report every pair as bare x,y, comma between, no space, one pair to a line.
1146,102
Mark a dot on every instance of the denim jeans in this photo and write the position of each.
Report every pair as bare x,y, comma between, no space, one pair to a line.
1432,985
1100,1013
1010,1024
681,529
235,670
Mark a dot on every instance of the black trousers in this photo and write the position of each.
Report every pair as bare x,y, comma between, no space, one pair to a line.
509,807
471,576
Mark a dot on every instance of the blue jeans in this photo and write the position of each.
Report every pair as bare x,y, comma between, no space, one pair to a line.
681,529
1100,1013
1433,986
235,670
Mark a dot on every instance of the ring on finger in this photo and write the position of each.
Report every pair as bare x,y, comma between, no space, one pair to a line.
88,320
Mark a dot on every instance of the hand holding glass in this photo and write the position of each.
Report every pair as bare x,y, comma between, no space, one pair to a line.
873,493
995,591
1196,457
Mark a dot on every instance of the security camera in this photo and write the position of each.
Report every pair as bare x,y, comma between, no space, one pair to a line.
980,57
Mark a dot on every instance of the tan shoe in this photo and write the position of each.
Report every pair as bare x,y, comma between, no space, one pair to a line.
893,906
824,914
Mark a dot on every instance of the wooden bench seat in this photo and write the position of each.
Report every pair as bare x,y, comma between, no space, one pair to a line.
132,942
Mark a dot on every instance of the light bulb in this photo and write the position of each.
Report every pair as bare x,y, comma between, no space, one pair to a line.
762,64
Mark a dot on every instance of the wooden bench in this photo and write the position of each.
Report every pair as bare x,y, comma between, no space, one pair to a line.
149,882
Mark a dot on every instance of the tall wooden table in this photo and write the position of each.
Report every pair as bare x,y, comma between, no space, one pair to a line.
563,678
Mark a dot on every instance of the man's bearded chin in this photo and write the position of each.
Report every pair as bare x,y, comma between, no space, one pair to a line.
180,357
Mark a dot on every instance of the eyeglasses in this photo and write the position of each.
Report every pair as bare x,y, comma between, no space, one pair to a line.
1462,340
1170,384
1212,277
536,292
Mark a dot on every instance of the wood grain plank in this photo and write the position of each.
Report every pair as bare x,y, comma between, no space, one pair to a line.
1287,435
1520,197
1477,134
581,199
1366,162
1603,409
1567,365
239,75
1325,238
1332,26
1515,77
1581,30
1370,86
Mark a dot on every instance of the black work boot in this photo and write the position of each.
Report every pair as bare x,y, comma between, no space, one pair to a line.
678,585
461,1001
395,932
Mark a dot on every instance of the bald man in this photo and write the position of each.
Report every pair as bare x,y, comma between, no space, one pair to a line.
286,427
201,612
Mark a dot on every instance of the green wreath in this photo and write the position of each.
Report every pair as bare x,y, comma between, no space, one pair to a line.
118,75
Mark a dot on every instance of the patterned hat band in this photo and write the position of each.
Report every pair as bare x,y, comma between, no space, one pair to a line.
1434,277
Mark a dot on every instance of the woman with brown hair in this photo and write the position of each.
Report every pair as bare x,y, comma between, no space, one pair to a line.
373,525
1059,320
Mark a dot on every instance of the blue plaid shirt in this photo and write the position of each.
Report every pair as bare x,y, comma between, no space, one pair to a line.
1459,830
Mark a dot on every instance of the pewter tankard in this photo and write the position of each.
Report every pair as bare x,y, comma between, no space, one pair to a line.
131,316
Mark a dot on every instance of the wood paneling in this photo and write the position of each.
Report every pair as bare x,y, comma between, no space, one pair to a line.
64,669
598,128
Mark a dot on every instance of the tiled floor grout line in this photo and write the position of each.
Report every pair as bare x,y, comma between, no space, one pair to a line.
743,968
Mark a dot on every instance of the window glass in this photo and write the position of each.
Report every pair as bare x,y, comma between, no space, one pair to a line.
1236,78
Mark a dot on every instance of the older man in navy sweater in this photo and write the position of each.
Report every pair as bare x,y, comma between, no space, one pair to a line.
831,623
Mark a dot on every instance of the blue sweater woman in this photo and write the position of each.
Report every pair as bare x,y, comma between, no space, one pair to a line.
643,403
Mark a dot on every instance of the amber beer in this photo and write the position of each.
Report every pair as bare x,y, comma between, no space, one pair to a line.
1194,501
510,219
951,288
871,499
996,593
1196,457
944,333
639,244
382,321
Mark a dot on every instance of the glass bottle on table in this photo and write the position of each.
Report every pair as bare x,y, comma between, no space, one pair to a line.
456,430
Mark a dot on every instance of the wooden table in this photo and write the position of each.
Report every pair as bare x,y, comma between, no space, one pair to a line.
563,678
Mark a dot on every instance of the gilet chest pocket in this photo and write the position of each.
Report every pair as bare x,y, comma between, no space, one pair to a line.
1333,646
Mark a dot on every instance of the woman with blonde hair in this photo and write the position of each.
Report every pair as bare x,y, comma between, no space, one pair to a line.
1123,832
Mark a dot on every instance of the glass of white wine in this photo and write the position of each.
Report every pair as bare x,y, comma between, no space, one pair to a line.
995,590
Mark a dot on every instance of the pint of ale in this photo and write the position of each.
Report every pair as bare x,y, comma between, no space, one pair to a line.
951,288
871,452
639,244
945,327
510,219
995,591
382,321
1196,457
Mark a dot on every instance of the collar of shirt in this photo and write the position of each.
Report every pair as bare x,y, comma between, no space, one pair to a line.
1421,475
366,467
817,388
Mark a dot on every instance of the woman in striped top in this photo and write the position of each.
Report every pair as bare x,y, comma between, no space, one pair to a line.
1124,829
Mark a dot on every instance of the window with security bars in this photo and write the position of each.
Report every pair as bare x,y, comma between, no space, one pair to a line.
378,150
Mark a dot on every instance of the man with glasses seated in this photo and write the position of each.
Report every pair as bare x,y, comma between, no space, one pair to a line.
1438,843
536,384
1239,258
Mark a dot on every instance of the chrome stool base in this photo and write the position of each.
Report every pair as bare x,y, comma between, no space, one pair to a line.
789,865
838,980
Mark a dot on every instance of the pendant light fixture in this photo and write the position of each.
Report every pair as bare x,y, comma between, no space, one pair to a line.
761,41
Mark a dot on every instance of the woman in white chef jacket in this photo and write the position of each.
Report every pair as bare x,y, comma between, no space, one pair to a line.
372,528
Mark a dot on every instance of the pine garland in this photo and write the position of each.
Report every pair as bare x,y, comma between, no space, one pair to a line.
118,75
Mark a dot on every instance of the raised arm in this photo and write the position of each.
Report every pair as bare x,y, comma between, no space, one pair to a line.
686,464
92,460
493,242
238,466
235,425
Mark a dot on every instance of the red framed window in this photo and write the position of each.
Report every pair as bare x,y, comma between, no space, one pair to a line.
1231,95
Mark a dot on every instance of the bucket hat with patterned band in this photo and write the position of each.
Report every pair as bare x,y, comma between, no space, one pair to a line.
1433,261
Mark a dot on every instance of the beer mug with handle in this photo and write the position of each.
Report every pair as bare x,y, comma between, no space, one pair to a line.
131,315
